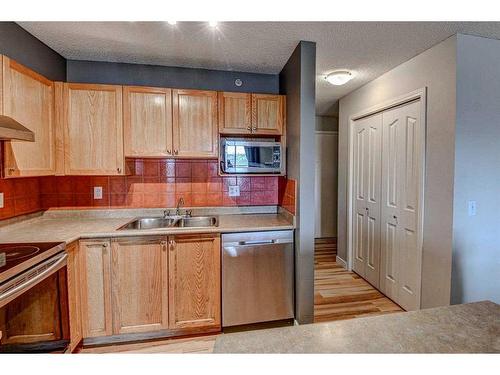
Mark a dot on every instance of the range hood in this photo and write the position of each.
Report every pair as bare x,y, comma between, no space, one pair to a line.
10,129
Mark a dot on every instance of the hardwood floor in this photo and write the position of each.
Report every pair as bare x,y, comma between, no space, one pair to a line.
338,294
341,294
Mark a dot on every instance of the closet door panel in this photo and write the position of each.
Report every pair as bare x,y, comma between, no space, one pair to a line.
411,167
359,217
373,172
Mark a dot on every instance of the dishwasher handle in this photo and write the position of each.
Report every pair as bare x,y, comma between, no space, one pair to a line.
257,242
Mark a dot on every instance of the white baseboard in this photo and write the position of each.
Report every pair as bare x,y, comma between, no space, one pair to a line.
341,261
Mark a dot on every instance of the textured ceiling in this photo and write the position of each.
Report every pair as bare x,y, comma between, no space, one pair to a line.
368,48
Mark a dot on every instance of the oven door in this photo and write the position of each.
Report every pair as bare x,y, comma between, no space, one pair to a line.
34,314
252,157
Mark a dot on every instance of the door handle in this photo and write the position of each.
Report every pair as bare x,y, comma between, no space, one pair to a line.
395,218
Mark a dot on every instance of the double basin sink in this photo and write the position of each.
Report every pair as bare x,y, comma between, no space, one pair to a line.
171,222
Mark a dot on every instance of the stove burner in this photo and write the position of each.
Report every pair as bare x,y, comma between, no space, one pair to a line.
19,252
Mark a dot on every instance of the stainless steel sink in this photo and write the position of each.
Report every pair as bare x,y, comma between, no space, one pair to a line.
150,223
171,222
197,221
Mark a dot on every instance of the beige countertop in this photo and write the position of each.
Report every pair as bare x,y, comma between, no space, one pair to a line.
468,328
69,226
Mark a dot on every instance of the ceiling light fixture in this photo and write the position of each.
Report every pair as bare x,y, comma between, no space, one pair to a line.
213,24
339,77
172,23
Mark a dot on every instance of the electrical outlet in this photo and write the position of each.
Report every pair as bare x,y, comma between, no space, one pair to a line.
234,191
471,206
97,192
1,200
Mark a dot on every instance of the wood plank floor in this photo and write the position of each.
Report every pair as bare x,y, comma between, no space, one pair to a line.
340,294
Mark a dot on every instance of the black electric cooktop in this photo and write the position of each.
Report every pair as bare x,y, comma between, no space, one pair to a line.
15,254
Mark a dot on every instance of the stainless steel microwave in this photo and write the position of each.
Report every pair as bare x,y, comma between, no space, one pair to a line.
250,156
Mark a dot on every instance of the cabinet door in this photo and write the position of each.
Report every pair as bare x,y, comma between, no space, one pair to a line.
139,284
235,114
147,121
93,129
29,98
267,114
96,288
74,296
194,123
194,281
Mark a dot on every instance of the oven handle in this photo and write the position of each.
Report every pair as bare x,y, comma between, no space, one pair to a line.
18,289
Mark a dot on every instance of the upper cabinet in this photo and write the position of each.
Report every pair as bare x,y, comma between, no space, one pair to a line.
93,129
147,121
194,123
28,97
235,113
268,114
260,114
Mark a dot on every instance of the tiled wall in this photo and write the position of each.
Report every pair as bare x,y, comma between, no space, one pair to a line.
287,194
149,183
21,196
159,183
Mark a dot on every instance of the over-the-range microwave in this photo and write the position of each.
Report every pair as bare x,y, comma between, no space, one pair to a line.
242,156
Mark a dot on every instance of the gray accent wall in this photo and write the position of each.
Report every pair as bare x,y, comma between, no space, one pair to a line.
434,69
327,123
172,77
18,44
476,239
297,81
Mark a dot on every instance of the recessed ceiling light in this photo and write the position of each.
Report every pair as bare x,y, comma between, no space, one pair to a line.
339,77
172,22
213,24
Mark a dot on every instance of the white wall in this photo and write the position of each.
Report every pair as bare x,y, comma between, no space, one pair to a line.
434,69
476,239
326,183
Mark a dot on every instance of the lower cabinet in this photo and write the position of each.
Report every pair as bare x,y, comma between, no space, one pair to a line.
139,284
164,285
96,288
194,281
74,294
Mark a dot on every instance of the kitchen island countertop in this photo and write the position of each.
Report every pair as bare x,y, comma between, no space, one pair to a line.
467,328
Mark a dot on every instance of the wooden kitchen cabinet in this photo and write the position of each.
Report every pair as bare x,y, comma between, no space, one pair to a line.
235,113
147,121
194,123
93,129
74,294
194,281
28,97
96,288
139,284
268,114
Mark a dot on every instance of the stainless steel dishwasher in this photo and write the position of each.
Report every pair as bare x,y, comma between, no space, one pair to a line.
257,277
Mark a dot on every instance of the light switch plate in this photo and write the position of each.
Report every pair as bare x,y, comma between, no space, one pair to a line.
471,207
1,200
234,191
97,192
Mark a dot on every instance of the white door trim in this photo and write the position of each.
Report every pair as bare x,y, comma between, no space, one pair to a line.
421,95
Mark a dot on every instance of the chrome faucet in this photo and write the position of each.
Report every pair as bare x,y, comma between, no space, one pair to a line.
180,202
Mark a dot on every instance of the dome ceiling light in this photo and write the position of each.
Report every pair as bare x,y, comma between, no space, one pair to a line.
339,77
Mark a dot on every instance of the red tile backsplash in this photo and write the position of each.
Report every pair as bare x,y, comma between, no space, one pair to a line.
21,196
288,194
150,183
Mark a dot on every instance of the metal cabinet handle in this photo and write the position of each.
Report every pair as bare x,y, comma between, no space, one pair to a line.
169,152
255,128
249,128
105,245
163,245
172,245
119,170
11,170
176,152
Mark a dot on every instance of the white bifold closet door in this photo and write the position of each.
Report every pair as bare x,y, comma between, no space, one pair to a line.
402,173
367,191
